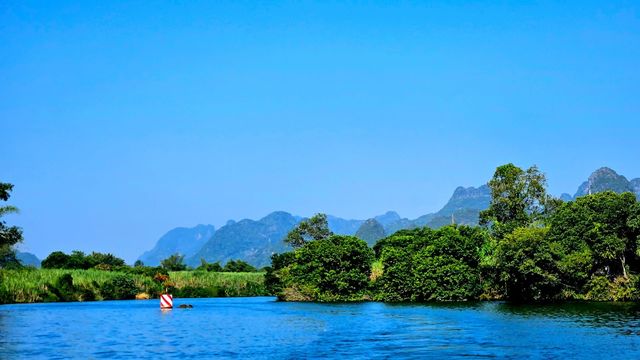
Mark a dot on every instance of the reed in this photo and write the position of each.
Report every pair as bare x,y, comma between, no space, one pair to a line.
43,285
218,284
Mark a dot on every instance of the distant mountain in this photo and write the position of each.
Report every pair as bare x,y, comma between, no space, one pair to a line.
463,208
371,231
249,240
566,197
604,179
255,240
185,241
635,185
401,224
467,198
343,226
388,218
28,259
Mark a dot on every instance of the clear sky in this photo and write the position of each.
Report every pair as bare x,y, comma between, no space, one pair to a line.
122,121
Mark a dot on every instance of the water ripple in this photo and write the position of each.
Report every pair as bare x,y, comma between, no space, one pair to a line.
262,328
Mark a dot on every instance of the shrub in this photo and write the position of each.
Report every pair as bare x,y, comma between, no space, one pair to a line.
121,287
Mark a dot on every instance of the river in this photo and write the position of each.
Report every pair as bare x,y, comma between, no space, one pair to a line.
260,327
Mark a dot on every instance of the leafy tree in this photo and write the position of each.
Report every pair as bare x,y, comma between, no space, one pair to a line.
121,287
78,260
329,269
596,234
96,258
314,228
9,235
527,266
425,264
274,275
518,198
55,260
174,262
214,267
138,263
238,266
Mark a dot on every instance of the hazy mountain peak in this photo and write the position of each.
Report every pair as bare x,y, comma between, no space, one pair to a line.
566,197
371,231
276,216
186,241
604,179
467,198
635,185
387,218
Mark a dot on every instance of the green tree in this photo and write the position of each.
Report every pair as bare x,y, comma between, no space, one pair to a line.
518,198
56,260
596,234
138,263
9,235
214,267
527,266
275,275
174,262
238,266
121,287
314,228
425,264
96,258
330,269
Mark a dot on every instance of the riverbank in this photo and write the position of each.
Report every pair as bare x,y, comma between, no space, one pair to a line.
54,285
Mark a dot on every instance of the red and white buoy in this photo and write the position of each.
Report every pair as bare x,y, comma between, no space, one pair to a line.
166,301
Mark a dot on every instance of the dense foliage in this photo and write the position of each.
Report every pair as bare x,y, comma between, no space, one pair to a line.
531,247
174,262
78,260
518,198
9,235
314,228
425,264
336,268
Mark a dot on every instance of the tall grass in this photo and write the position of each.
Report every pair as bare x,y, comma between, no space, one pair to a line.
213,284
31,285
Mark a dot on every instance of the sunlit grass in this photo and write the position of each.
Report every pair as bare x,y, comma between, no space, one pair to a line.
26,286
222,284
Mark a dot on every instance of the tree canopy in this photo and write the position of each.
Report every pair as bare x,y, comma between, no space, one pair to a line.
9,235
314,228
174,262
78,260
518,198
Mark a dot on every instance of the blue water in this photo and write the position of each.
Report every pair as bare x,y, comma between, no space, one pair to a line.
263,328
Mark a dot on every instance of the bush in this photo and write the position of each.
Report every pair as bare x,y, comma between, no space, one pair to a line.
431,265
238,266
332,269
121,287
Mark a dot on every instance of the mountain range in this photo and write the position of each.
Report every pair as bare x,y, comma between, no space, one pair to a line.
255,241
185,241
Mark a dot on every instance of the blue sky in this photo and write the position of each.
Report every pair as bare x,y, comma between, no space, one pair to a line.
122,121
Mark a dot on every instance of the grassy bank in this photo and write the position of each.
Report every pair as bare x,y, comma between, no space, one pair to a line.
48,285
217,284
